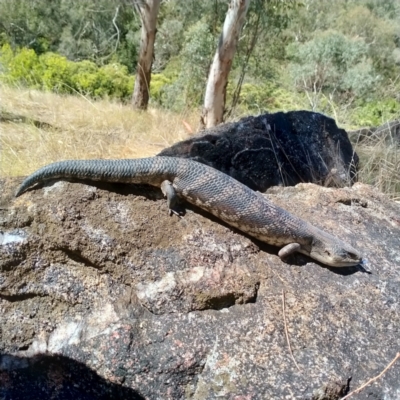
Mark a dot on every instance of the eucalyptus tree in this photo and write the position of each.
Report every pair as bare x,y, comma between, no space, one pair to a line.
148,11
215,96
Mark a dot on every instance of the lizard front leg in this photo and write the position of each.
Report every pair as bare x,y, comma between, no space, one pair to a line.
172,198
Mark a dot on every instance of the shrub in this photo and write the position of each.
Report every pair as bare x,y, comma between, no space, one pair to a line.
114,82
84,77
54,72
21,66
158,85
265,96
333,63
376,113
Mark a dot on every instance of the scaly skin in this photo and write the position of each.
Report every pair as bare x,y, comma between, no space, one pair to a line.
215,192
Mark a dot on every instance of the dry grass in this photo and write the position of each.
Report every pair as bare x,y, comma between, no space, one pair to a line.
37,128
380,163
80,128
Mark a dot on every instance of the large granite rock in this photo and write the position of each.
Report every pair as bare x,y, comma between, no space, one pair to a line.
103,295
275,149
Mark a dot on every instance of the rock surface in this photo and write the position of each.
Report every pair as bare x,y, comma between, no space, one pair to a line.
103,295
275,149
388,132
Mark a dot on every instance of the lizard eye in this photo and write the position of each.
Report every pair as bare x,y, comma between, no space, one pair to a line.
327,253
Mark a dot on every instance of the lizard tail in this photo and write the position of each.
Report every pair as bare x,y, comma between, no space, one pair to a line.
145,170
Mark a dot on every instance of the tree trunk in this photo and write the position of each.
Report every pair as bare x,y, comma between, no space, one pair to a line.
148,11
214,99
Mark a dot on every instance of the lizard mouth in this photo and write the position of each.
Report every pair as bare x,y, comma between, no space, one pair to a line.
342,259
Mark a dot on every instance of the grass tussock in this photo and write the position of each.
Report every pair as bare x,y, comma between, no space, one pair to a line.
37,128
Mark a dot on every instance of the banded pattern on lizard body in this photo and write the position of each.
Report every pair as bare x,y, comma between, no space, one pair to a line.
215,192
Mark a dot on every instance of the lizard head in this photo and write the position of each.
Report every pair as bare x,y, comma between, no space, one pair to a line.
334,252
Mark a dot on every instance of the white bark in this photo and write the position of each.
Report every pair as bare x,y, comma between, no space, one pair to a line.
214,99
148,11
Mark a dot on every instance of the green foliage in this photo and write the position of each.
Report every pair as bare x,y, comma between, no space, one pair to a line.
168,43
91,29
22,67
359,80
85,76
197,52
373,23
361,22
332,63
31,24
114,82
376,113
50,71
256,98
253,98
159,83
56,72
